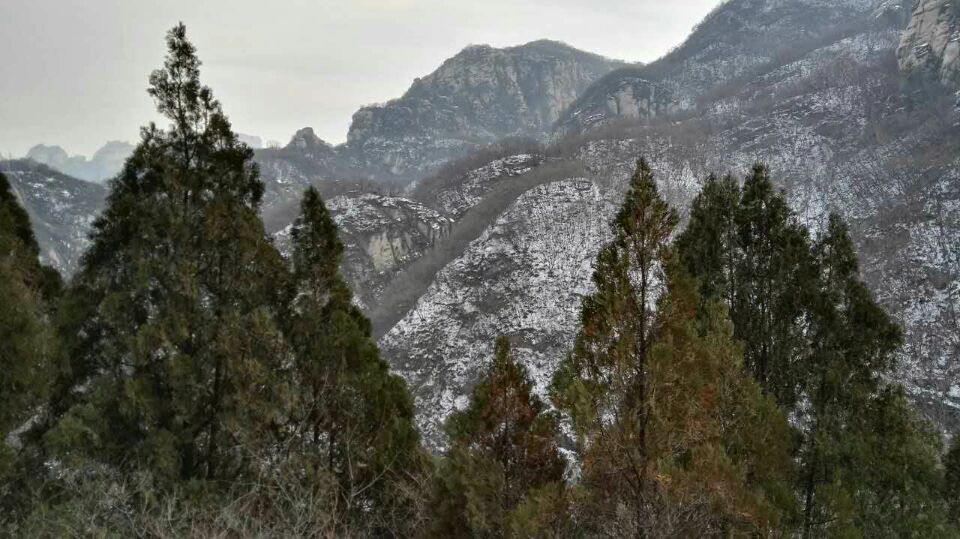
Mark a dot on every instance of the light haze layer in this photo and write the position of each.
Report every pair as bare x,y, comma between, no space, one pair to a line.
74,71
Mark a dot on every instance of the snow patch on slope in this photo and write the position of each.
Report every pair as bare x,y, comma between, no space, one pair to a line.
523,278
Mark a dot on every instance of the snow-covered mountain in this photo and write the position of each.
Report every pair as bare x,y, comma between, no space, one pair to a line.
479,96
851,102
61,209
831,120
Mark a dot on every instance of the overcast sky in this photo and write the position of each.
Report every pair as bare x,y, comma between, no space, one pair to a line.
74,72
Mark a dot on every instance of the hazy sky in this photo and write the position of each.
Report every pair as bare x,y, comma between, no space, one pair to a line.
74,72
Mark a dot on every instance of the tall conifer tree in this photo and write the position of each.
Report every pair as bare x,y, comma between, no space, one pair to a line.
772,279
951,475
745,247
816,340
867,463
603,377
354,419
504,449
175,354
28,292
650,396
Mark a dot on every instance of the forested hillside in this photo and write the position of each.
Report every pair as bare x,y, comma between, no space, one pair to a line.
728,372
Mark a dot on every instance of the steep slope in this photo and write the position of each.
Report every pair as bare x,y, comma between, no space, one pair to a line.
522,277
838,134
404,290
456,194
734,43
61,210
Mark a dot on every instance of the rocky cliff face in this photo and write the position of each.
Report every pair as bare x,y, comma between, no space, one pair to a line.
736,42
381,236
479,96
626,93
931,44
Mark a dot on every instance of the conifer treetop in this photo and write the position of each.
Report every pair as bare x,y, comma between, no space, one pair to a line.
317,250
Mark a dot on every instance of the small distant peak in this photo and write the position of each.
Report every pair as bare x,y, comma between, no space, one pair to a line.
548,45
117,144
305,132
44,150
306,139
114,147
551,47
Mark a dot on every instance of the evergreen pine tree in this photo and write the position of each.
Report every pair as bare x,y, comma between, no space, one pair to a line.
601,384
175,357
504,449
602,379
772,282
709,247
29,348
354,419
651,398
714,439
745,248
867,464
818,342
27,295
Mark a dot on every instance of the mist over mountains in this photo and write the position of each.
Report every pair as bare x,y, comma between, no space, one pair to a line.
103,165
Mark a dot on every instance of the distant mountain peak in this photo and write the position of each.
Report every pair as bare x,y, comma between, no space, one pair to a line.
477,97
305,138
105,163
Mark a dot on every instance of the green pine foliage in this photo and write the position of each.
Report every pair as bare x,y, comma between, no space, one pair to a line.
189,381
868,465
951,465
601,381
714,439
172,321
503,455
707,246
28,345
651,396
817,341
352,419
